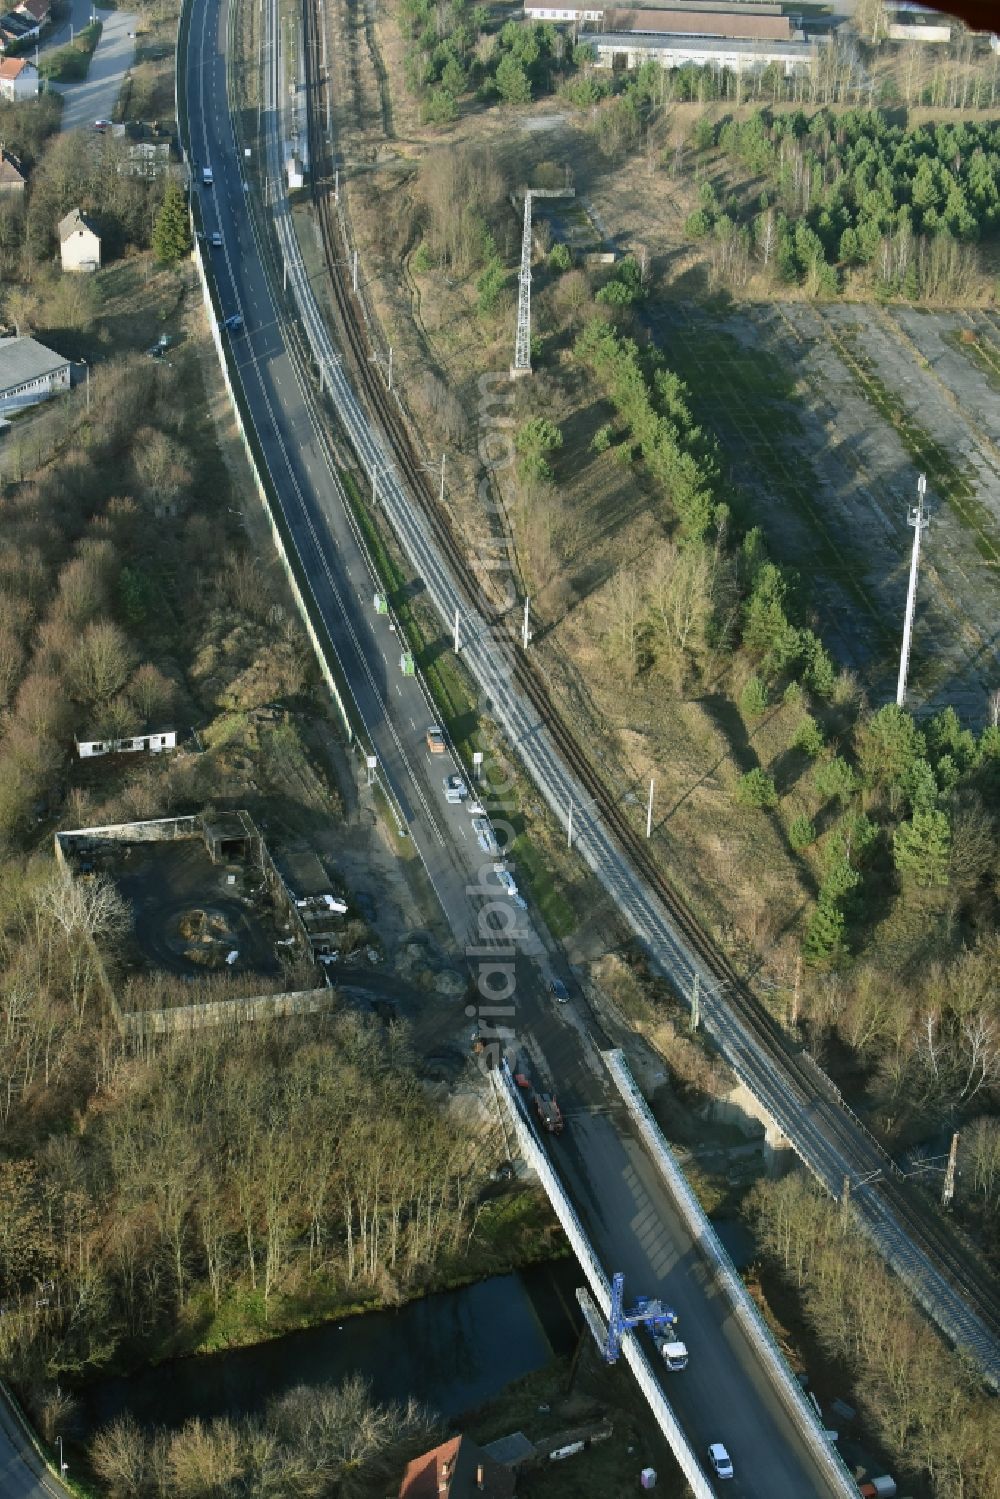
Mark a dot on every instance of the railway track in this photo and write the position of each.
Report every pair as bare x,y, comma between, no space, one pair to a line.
873,1169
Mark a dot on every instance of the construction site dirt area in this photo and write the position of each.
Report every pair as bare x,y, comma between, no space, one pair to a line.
190,916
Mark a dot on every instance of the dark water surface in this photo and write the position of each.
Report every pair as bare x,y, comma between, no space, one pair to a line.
452,1351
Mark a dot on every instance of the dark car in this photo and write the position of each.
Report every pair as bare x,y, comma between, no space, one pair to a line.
234,322
559,991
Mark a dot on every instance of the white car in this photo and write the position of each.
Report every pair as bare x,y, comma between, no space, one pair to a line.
720,1460
455,789
215,240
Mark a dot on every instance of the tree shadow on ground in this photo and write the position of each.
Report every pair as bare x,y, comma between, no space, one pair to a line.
726,718
788,767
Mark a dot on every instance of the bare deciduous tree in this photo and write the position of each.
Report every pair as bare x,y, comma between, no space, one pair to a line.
100,663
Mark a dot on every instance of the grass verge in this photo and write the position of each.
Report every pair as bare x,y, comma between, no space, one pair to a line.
70,64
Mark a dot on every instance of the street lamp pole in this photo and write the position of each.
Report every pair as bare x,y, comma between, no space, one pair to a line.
63,1467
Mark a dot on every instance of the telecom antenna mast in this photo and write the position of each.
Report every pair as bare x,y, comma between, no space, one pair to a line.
522,343
918,520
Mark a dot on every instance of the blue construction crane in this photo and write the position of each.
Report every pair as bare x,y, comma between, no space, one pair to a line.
651,1313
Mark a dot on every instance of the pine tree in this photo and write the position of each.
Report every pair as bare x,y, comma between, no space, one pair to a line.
921,847
172,234
825,933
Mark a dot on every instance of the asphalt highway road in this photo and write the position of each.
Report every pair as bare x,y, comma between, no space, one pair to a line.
724,1394
23,1475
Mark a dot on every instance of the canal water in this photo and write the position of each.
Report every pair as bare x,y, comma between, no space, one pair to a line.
452,1351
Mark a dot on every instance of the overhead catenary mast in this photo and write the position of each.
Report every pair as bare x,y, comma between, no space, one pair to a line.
918,520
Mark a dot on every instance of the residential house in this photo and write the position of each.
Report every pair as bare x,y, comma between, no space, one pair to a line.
34,10
457,1470
15,29
29,372
18,79
11,176
79,243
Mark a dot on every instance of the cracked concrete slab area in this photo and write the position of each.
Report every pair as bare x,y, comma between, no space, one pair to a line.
830,478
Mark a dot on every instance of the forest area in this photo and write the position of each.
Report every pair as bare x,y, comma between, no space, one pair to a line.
897,821
210,1178
854,203
930,1414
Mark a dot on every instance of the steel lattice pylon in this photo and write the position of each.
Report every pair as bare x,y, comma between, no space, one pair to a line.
522,343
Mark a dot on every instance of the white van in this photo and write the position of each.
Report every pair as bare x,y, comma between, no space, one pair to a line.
675,1355
206,177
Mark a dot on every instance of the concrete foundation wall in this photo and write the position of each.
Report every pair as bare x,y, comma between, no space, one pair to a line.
159,831
228,1012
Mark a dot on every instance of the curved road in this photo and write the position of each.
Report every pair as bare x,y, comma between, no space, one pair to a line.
23,1474
827,1138
724,1394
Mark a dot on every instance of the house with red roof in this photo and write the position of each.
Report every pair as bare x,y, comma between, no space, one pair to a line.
457,1469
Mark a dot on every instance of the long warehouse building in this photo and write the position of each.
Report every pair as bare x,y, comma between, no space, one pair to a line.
745,43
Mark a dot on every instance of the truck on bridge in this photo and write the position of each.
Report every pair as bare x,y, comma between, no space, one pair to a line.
549,1113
